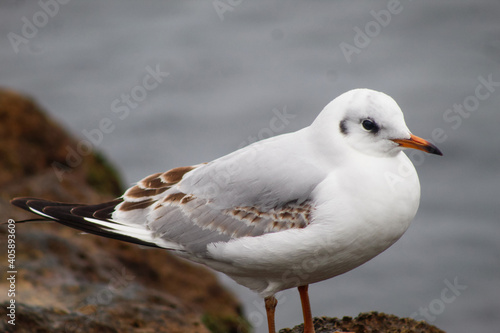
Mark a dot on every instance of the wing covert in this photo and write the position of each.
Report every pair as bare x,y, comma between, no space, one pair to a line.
194,222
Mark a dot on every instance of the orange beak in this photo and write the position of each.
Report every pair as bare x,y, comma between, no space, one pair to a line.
418,143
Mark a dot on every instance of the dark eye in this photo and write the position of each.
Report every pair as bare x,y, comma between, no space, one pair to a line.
370,125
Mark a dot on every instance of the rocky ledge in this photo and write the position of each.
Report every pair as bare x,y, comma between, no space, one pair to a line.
69,282
372,322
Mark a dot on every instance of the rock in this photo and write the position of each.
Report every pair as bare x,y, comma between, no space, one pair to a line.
69,282
372,322
33,144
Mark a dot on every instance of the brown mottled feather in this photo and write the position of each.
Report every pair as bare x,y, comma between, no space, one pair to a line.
175,175
174,198
137,192
291,215
157,183
131,205
152,181
239,221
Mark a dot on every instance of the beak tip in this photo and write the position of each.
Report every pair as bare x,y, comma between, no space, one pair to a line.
416,142
435,150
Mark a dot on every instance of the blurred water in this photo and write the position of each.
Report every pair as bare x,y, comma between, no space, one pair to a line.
231,63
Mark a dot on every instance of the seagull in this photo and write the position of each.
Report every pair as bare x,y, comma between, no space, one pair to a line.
281,213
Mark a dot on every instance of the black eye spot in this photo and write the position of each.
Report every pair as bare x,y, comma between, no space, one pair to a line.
370,125
343,126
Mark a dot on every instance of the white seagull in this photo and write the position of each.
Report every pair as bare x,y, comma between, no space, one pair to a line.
284,212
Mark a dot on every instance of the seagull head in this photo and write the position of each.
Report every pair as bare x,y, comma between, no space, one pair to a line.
370,122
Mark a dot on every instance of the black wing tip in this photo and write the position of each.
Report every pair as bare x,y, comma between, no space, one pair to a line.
34,205
73,216
22,202
26,203
38,206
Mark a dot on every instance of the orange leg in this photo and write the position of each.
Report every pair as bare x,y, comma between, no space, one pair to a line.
271,303
306,309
